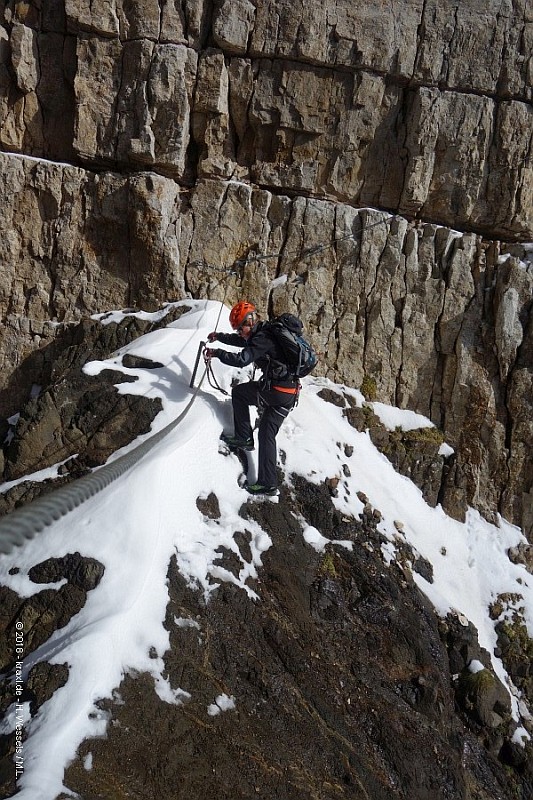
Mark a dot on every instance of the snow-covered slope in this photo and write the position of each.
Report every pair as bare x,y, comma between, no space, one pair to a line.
136,525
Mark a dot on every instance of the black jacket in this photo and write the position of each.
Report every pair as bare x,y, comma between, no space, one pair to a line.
259,349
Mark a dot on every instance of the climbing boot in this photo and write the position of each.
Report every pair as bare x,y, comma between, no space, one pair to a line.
258,488
237,444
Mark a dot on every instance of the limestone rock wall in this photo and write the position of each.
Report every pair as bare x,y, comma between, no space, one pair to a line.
154,149
422,108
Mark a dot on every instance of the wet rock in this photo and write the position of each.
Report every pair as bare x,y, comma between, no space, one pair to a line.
331,396
77,415
484,697
522,554
131,361
43,680
41,615
461,641
229,561
516,650
86,573
209,506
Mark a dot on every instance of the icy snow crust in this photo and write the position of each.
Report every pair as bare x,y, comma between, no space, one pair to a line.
137,524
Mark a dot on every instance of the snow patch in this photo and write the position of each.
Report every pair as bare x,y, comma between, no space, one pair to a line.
393,418
222,703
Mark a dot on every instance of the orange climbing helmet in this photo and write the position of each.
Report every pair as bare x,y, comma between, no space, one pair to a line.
239,312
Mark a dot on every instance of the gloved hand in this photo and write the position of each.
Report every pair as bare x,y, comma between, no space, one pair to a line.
210,353
212,337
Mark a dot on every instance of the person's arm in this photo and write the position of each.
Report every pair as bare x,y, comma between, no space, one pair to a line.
242,359
231,338
258,346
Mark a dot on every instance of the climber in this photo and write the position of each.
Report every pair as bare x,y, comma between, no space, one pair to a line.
275,394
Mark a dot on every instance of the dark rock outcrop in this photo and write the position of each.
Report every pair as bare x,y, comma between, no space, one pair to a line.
340,679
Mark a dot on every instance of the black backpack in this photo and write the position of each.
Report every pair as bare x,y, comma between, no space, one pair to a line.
298,355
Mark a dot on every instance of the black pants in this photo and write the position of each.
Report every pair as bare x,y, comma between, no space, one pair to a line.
276,407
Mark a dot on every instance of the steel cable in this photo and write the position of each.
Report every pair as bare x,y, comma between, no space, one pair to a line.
26,522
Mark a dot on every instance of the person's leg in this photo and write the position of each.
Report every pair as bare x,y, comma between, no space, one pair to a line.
268,429
243,396
278,406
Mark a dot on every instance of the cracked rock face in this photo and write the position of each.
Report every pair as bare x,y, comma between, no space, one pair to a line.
421,109
174,140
